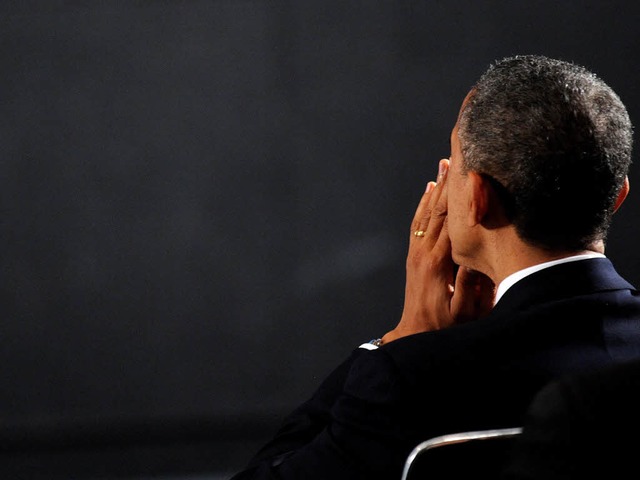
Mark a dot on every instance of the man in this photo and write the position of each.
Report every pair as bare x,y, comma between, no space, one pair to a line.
539,158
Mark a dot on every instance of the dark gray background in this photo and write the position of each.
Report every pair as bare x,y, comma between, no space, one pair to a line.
205,204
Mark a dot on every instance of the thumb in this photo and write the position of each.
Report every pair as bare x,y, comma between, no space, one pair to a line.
473,295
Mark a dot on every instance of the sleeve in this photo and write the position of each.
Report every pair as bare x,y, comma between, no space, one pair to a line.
345,431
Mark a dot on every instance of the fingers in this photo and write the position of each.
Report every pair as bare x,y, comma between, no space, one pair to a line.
438,213
431,213
473,296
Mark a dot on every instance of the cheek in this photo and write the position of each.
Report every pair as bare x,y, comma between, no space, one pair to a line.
456,223
453,224
459,245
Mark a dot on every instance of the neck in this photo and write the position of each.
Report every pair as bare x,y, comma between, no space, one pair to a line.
509,254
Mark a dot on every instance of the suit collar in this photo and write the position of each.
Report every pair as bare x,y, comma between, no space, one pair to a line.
525,272
562,281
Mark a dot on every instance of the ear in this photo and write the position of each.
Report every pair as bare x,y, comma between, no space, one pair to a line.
624,191
479,198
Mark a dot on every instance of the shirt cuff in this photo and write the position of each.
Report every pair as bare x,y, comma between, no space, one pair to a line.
372,344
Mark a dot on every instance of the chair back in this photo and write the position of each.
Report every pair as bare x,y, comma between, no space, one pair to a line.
475,454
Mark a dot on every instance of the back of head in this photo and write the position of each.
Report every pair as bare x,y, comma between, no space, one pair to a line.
556,141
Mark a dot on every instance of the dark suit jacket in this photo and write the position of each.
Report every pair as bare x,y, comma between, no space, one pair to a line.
582,426
376,406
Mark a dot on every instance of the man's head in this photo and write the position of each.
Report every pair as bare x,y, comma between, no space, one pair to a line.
555,143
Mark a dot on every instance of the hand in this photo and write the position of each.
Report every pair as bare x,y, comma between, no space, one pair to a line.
431,300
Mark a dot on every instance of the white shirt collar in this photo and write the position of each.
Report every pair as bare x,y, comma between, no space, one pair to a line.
512,279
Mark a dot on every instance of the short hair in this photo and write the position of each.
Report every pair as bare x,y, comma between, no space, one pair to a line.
556,141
